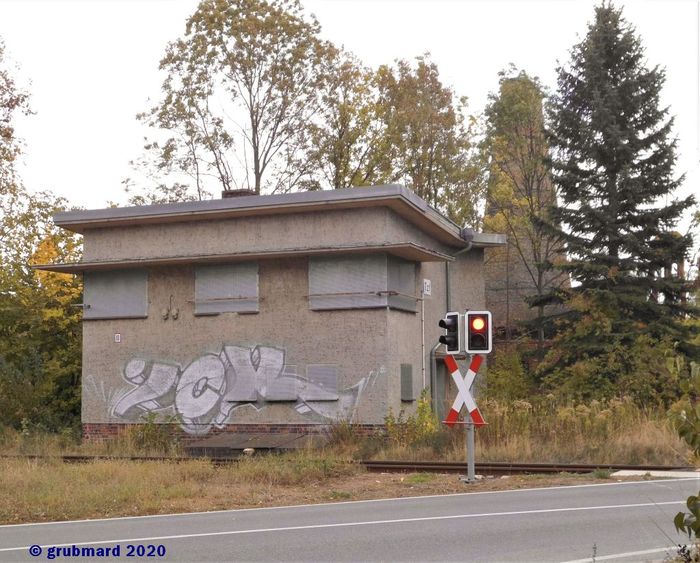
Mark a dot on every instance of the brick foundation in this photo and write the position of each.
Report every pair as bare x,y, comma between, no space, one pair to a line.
96,431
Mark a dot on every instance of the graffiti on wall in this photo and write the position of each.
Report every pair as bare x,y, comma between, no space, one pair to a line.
206,392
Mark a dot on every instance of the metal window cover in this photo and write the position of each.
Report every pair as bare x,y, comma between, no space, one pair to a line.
401,279
348,282
321,383
118,294
407,393
226,288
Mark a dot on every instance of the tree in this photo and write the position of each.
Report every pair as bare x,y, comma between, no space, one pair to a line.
39,326
40,338
13,100
613,160
520,191
347,140
429,139
240,85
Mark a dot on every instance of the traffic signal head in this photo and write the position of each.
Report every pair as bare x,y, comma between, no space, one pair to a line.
452,339
478,339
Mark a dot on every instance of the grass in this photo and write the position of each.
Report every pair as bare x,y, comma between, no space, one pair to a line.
617,431
38,490
147,439
47,489
417,478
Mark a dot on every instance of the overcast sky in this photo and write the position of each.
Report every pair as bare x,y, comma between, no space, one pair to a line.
91,65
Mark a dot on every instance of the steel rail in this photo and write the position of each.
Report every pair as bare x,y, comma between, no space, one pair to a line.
511,468
392,466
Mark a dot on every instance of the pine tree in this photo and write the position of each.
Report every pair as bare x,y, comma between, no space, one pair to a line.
613,168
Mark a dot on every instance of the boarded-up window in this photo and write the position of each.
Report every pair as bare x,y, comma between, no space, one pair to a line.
401,284
321,383
226,288
357,282
407,393
282,386
117,294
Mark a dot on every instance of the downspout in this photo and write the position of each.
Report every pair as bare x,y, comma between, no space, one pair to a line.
422,337
467,235
433,378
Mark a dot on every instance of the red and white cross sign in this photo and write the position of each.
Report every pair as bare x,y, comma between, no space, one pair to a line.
464,396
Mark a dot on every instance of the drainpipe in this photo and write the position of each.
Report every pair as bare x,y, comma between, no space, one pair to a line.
433,377
422,337
467,235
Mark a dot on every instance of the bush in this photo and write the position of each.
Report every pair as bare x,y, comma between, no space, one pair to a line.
647,371
507,379
150,437
416,430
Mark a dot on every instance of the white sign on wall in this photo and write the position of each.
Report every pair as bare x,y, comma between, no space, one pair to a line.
427,288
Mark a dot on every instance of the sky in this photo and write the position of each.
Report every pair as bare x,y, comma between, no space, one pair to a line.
91,65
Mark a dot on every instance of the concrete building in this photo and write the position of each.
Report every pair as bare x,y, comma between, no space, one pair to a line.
268,313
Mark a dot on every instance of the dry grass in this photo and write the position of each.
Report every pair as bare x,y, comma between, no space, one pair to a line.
542,431
615,432
147,439
599,432
49,490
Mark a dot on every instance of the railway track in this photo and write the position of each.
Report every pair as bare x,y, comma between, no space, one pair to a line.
509,468
486,468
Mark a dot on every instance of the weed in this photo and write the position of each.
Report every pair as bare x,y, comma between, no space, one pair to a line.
600,473
418,478
419,429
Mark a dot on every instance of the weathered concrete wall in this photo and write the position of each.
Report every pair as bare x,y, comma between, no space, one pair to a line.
466,291
254,234
404,331
186,368
467,281
404,343
285,337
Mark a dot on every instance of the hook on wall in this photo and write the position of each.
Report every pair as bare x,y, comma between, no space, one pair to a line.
171,312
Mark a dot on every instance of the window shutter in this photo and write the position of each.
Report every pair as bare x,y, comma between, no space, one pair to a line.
347,283
117,294
226,288
407,393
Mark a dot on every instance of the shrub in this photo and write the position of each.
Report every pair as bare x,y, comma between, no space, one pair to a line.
150,437
507,378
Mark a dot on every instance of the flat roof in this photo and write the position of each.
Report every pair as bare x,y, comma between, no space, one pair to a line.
403,201
396,197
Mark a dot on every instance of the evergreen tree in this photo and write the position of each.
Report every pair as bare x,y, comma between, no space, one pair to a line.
613,168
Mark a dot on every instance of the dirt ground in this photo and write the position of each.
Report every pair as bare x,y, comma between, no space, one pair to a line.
369,486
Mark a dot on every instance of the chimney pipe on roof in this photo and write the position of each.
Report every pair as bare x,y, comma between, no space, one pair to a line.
225,194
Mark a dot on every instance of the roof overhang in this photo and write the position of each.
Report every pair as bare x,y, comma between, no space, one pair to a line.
408,251
487,240
401,200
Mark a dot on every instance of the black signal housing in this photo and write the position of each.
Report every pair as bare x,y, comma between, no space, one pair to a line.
452,339
478,332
